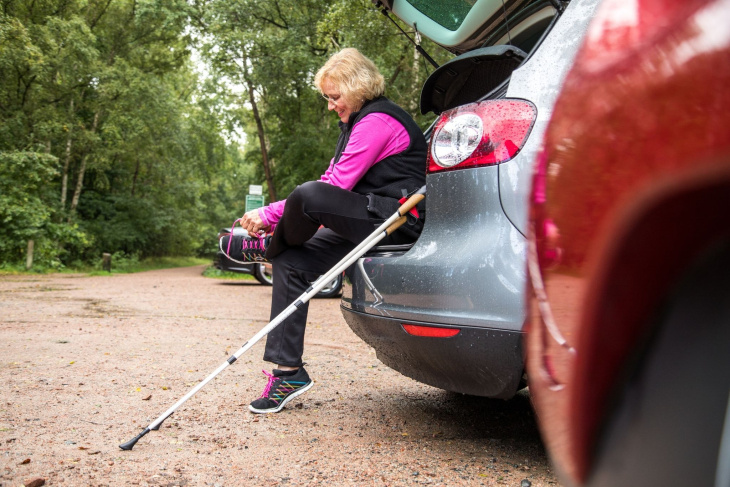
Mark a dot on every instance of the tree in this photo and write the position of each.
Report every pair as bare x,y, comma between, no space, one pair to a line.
107,90
25,212
273,48
139,149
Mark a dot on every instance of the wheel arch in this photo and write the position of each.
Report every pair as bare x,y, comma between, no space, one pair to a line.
649,246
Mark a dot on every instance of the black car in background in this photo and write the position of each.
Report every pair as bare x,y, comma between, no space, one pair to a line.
262,272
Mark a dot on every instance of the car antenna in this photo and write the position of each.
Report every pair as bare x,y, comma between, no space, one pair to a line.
416,42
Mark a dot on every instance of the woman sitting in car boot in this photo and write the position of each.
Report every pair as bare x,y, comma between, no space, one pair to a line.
380,157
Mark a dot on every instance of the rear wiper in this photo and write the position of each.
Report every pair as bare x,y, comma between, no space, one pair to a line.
416,42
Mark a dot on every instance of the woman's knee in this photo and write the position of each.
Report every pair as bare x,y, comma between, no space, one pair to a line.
307,193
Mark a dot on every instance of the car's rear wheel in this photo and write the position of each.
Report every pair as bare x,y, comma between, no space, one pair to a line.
264,274
332,289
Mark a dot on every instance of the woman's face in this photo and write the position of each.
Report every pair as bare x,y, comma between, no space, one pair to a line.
336,102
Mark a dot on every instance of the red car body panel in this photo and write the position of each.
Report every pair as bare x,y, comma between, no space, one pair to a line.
633,185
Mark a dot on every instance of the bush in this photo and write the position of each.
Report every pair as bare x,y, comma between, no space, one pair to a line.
27,212
23,211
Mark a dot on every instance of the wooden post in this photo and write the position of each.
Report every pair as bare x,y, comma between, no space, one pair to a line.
106,262
29,255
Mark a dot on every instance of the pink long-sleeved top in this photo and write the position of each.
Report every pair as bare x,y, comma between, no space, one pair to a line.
375,137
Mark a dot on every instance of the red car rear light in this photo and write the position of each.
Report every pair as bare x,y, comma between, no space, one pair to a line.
430,331
480,134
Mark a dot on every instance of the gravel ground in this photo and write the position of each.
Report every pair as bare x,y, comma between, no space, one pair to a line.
88,362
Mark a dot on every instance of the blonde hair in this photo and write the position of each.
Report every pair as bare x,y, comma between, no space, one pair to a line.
356,76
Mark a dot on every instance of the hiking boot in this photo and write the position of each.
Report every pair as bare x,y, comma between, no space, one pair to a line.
245,249
283,386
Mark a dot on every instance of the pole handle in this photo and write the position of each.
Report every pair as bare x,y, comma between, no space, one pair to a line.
394,226
412,201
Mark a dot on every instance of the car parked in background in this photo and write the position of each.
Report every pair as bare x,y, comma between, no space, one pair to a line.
262,271
449,310
629,336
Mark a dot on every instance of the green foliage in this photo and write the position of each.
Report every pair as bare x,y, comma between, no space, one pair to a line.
25,212
114,138
99,99
123,263
276,48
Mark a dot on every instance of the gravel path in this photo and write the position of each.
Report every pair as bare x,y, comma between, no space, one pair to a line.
88,362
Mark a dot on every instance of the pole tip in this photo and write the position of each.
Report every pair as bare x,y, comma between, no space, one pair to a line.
130,444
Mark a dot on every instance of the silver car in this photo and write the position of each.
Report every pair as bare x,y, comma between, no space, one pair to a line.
449,311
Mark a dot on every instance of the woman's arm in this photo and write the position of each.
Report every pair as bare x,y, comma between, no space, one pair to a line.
271,213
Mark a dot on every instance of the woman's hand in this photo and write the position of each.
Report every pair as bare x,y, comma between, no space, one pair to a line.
252,222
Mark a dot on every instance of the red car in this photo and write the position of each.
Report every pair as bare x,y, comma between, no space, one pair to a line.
629,335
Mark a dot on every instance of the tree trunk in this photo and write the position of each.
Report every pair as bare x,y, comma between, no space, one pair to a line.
67,160
262,135
79,185
29,255
82,170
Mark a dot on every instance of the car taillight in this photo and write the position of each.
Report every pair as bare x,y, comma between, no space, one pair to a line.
480,134
430,331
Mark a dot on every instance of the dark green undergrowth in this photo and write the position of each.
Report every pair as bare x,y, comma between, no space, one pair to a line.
127,265
120,264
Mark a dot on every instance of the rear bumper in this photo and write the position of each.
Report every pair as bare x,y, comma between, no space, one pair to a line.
477,361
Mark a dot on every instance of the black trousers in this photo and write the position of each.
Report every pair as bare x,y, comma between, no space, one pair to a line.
301,251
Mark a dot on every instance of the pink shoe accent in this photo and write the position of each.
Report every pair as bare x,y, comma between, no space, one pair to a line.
271,381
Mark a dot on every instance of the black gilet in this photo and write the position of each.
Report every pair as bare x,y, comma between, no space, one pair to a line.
397,175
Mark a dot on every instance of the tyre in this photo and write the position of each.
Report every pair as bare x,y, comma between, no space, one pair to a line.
331,290
263,274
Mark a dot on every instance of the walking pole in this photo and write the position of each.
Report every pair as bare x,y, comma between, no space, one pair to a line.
386,228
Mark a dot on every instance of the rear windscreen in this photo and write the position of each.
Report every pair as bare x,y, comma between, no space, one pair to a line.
448,13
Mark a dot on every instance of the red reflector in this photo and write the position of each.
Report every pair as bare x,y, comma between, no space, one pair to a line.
430,331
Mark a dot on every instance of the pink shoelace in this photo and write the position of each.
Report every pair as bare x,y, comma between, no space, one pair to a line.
257,244
271,381
267,389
